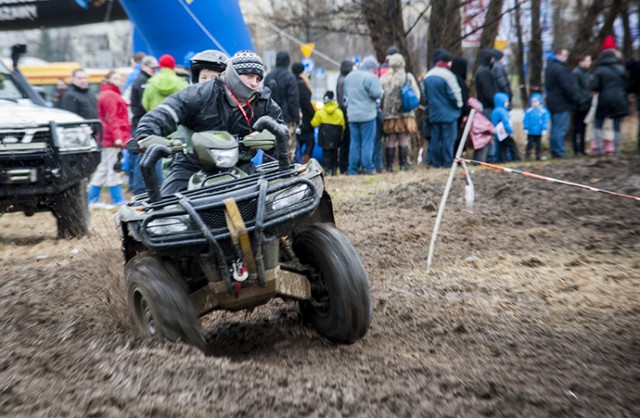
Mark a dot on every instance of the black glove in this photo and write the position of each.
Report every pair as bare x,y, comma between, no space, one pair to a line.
133,147
280,131
117,167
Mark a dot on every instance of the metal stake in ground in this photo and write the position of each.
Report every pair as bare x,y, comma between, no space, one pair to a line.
443,201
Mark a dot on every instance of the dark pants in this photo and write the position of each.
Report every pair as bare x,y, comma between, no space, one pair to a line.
330,160
579,128
443,136
508,145
343,151
533,141
305,145
559,129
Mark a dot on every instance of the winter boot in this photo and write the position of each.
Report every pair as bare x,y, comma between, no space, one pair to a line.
390,155
94,194
599,142
116,195
617,141
403,153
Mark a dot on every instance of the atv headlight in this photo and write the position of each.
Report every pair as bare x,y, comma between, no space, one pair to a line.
286,197
75,138
224,158
165,226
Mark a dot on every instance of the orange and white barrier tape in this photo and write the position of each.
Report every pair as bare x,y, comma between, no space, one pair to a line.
549,179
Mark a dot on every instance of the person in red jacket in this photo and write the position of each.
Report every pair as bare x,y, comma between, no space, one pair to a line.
116,131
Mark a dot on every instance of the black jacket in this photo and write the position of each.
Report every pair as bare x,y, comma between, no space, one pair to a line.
137,89
284,88
81,102
485,81
609,80
561,90
633,67
305,105
500,75
205,107
583,90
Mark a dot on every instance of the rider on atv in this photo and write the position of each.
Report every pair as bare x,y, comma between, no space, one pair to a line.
233,102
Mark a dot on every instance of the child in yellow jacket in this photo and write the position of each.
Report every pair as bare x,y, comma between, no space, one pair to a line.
330,119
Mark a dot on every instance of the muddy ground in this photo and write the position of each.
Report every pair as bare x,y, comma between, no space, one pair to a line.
532,309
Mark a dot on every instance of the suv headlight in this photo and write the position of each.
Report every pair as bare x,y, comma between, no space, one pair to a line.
224,158
75,137
165,226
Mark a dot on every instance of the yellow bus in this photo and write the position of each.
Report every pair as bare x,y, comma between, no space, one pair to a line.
44,78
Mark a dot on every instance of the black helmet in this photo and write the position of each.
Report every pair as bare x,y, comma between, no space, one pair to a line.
209,59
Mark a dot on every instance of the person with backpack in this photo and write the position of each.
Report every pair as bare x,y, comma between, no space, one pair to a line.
330,119
399,123
284,91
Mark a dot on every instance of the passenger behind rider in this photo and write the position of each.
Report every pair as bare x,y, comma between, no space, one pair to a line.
233,102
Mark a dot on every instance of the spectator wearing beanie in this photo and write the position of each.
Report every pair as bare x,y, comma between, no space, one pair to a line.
609,42
443,96
163,84
232,102
284,90
609,81
561,99
398,125
346,67
362,89
305,137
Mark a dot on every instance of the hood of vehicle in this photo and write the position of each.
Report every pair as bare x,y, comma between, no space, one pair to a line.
24,114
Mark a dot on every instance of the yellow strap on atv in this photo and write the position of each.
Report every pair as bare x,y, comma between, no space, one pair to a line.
239,234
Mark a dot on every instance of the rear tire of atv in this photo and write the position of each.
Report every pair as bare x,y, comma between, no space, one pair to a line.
159,301
340,309
71,210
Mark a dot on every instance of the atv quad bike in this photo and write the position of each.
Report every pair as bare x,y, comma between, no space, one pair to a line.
235,240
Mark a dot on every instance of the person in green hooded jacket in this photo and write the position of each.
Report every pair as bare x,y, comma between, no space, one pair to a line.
163,84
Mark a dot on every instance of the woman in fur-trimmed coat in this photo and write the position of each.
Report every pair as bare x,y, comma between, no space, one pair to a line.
398,125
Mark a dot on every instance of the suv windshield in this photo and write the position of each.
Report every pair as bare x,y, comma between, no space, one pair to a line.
9,89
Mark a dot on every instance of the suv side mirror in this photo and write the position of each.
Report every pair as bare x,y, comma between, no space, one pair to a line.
16,51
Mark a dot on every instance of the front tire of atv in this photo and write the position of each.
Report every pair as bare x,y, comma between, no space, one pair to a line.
340,309
159,301
71,210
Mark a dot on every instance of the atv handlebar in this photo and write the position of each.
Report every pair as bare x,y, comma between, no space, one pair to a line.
152,155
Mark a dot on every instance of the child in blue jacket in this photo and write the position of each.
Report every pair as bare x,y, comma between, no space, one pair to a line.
536,122
502,121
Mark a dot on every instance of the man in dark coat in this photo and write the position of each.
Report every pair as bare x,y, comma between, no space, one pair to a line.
501,75
583,102
78,98
148,67
233,102
346,67
561,96
284,91
486,86
305,137
486,89
609,81
633,69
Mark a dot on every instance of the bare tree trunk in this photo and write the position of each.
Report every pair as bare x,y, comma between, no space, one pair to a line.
490,29
584,37
627,48
444,28
520,59
535,50
607,28
386,25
